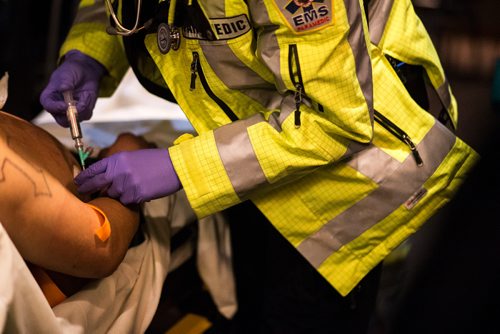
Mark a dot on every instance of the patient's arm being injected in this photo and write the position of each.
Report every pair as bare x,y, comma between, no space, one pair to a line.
45,217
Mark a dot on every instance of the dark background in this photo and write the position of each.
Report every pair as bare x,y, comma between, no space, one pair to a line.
31,33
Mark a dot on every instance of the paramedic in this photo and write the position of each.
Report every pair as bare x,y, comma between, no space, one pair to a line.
282,95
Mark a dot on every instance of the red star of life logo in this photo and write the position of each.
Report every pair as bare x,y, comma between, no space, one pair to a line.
307,5
303,16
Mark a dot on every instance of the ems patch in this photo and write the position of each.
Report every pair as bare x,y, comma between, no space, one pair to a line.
306,15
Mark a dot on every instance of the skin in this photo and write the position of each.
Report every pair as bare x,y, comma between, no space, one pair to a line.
45,216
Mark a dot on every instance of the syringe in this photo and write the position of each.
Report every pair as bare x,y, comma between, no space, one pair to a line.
74,126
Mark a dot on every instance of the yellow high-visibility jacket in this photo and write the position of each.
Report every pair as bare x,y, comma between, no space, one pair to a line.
298,108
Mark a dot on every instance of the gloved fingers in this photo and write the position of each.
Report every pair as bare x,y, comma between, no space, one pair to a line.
93,170
52,100
125,190
94,184
85,104
116,188
130,197
57,109
68,80
62,120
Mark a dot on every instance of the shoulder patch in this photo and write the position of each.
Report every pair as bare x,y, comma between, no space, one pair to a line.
230,27
306,15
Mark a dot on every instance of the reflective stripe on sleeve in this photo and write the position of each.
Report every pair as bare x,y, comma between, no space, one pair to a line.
95,13
359,48
408,179
237,155
443,92
267,43
247,81
379,13
236,151
213,8
377,22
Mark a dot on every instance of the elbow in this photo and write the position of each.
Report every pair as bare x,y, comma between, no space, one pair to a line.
104,263
105,269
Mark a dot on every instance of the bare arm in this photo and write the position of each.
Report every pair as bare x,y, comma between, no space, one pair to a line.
47,220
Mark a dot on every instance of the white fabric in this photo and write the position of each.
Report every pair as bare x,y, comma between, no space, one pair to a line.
20,296
214,263
124,302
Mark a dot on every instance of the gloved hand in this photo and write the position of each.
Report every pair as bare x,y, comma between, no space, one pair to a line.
79,73
132,177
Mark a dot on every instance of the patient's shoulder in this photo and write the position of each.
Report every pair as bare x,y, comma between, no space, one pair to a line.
38,148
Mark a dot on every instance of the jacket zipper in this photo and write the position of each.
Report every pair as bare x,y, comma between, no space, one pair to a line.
444,116
400,134
196,71
293,59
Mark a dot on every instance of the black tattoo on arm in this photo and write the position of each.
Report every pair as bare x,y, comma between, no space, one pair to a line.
36,178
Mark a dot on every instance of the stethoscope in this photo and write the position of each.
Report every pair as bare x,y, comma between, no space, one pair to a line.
168,36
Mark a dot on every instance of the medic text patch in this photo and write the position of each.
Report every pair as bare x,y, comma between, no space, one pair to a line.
230,27
306,15
221,29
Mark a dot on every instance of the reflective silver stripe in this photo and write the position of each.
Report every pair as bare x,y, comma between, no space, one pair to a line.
236,151
395,188
213,8
267,43
352,148
94,13
378,14
287,107
225,63
237,155
360,50
443,92
373,160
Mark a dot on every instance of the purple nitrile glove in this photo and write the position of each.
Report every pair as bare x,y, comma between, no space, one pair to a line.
80,74
132,177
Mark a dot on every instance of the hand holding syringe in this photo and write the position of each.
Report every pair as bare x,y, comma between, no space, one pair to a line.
74,126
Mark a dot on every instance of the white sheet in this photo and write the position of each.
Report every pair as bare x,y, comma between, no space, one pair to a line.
20,297
124,302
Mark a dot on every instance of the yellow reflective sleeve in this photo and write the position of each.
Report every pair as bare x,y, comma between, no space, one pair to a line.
200,169
406,39
88,35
